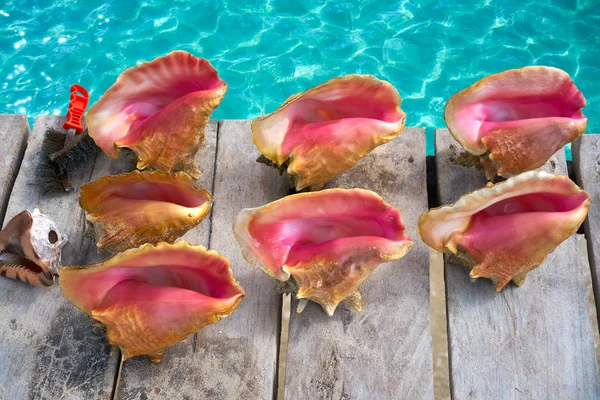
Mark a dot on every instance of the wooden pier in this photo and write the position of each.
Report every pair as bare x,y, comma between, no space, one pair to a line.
536,341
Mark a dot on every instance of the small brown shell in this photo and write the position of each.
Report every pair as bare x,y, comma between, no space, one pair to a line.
30,249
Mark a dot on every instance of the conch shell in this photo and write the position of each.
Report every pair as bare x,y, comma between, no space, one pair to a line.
152,297
329,242
30,249
516,120
134,208
159,110
326,130
505,230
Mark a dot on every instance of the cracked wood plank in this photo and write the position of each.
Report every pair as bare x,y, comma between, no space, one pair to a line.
14,132
234,358
535,341
586,162
48,348
383,352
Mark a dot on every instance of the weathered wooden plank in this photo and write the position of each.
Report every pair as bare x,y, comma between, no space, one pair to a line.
241,352
586,162
383,352
14,132
48,348
236,357
173,377
535,341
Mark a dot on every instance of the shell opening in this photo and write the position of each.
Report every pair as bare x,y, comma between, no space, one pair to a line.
208,277
306,236
510,223
316,110
52,236
534,202
517,104
133,283
160,191
499,113
310,113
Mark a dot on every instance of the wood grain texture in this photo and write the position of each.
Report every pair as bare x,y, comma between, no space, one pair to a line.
535,341
177,374
383,352
234,358
48,348
14,132
586,161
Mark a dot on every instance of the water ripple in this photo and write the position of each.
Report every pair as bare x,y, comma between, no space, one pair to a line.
267,50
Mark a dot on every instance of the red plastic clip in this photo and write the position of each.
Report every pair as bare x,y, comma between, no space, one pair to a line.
77,108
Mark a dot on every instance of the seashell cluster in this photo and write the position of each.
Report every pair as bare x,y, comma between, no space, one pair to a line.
329,242
324,244
153,296
514,122
159,293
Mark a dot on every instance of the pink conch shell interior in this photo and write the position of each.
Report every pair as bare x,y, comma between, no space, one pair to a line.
508,229
329,241
152,297
134,208
159,110
521,117
328,129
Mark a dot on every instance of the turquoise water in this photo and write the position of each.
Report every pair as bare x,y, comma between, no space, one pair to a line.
267,50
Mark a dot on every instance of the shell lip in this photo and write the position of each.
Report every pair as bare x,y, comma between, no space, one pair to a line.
180,179
496,193
330,82
122,260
